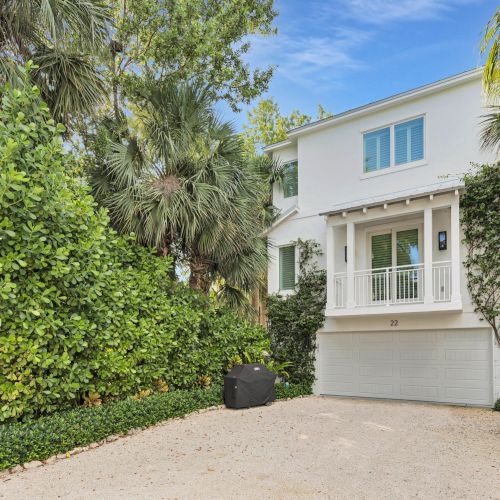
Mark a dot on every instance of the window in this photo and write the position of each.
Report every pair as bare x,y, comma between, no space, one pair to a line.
287,267
290,180
377,149
397,248
393,145
409,141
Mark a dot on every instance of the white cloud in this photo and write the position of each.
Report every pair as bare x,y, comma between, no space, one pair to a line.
311,59
385,11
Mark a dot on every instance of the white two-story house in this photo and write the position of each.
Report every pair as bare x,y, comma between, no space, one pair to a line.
379,188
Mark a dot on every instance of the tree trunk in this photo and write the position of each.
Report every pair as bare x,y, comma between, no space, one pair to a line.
165,251
199,278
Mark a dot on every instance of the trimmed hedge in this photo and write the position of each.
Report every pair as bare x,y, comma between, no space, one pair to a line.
40,439
86,314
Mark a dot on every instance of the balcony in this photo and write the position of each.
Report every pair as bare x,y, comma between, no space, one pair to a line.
393,285
424,275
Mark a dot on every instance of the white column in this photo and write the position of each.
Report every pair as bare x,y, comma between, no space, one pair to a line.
455,251
428,242
350,264
330,266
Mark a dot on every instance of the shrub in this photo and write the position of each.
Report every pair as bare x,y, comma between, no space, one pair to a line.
295,319
86,315
22,442
497,405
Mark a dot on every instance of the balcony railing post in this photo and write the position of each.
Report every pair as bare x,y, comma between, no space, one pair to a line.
387,286
427,278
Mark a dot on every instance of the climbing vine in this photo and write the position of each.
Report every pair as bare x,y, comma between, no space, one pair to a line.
480,218
294,320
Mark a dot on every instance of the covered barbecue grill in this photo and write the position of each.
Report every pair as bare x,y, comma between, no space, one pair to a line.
249,385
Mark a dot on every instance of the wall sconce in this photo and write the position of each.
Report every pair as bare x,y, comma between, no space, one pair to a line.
442,240
345,253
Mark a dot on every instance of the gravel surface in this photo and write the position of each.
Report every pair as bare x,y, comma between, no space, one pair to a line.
307,448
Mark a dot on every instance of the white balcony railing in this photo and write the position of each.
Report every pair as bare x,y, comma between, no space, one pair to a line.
393,285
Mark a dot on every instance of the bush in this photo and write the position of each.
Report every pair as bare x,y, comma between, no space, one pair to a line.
295,319
85,313
22,442
497,405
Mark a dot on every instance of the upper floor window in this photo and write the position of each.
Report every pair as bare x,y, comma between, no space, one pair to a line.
290,180
394,145
409,141
377,149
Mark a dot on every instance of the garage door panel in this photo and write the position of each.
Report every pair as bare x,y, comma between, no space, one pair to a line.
446,366
420,392
418,372
467,355
376,371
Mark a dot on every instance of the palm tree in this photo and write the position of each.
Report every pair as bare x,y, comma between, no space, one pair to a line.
61,37
490,137
182,183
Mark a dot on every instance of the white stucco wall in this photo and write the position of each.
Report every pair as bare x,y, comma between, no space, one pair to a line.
331,172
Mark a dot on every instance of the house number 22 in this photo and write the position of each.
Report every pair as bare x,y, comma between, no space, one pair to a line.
394,322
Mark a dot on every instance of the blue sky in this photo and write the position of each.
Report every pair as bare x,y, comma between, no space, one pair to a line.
345,53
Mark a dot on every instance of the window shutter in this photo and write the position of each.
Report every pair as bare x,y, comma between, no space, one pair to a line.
287,267
409,137
381,251
407,247
377,149
290,180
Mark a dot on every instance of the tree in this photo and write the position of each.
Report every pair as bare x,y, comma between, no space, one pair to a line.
181,182
267,125
59,36
491,44
490,136
481,226
203,39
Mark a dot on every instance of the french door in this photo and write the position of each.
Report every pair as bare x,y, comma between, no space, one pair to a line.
395,262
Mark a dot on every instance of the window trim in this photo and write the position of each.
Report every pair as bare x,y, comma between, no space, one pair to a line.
392,152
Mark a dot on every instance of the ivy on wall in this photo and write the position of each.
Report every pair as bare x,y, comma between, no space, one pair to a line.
480,219
293,320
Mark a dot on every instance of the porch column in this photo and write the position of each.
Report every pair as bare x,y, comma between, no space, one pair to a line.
428,242
455,250
330,266
350,265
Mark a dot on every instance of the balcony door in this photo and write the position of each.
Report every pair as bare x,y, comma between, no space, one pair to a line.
395,256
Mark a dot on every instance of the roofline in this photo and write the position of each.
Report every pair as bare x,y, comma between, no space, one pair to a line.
281,218
376,106
459,187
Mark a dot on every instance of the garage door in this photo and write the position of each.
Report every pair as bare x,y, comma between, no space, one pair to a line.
451,366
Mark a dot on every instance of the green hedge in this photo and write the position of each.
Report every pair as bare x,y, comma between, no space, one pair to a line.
83,312
497,405
22,442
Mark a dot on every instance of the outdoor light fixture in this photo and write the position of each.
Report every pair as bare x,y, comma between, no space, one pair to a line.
442,240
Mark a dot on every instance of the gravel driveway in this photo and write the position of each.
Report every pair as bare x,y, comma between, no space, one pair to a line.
309,448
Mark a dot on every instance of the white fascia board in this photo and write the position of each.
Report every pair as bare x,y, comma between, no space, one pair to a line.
282,218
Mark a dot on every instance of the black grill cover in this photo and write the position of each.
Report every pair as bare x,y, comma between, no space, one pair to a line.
249,385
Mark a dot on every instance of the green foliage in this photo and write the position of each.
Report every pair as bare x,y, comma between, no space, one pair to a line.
85,314
497,405
267,125
490,44
175,41
22,442
481,227
295,319
60,38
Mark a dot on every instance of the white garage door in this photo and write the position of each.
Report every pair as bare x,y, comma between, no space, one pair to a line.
452,366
